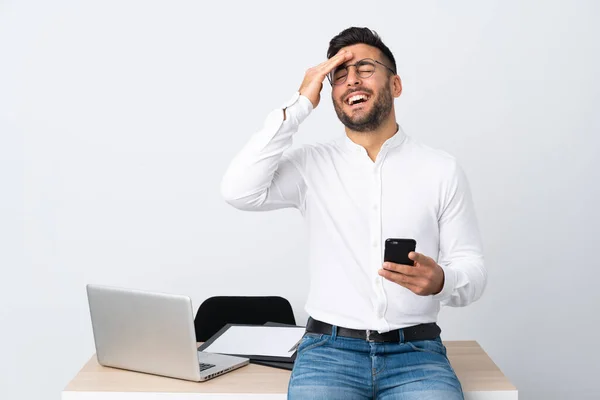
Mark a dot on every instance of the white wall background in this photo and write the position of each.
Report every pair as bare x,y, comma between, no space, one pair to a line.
118,119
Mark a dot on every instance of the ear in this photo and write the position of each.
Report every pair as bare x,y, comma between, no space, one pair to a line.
397,86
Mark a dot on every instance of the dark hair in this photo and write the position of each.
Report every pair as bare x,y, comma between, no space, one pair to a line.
355,35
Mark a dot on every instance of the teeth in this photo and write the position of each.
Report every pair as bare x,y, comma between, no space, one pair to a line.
352,99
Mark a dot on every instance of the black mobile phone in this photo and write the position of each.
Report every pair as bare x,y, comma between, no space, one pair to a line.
397,250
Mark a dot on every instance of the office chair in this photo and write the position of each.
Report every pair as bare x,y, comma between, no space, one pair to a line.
216,312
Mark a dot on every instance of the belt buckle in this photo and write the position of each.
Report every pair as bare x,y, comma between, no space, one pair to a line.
368,335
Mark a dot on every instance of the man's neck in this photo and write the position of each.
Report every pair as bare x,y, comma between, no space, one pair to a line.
373,140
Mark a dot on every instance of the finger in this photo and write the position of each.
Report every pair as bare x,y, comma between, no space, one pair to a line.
401,268
325,63
339,56
409,282
413,255
415,285
335,61
419,258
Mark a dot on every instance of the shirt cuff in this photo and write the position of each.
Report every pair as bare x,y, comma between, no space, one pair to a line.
449,284
297,108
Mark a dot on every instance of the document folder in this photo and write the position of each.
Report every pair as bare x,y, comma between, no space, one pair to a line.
282,365
270,342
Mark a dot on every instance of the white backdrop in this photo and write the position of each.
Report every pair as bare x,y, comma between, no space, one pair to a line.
118,119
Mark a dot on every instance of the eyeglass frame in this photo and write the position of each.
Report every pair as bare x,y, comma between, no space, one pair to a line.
330,75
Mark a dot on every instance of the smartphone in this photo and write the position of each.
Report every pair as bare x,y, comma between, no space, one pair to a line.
397,250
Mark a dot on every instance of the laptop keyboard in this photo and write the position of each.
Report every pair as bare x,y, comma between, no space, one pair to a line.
204,366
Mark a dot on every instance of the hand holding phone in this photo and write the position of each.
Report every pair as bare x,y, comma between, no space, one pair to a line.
397,250
426,279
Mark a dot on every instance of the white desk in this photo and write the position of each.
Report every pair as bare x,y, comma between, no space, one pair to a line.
480,378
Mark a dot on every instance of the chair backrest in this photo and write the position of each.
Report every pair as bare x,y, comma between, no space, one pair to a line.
216,312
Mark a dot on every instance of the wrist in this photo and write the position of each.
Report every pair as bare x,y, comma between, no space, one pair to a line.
440,286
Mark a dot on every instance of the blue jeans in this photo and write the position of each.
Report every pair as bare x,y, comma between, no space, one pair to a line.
331,367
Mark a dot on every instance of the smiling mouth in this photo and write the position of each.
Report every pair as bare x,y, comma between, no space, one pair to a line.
357,99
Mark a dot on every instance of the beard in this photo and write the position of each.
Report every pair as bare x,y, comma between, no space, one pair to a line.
382,106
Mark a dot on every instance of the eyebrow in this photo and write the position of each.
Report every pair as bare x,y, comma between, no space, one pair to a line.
344,65
357,61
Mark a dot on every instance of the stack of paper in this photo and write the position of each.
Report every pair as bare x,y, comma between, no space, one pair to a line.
271,344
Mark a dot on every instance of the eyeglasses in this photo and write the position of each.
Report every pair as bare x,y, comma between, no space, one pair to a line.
365,68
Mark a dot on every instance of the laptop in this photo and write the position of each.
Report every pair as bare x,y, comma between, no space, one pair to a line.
151,333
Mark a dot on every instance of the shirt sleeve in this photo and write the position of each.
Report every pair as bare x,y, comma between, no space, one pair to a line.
261,177
461,255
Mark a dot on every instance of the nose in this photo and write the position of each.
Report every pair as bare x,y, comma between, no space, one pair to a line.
352,79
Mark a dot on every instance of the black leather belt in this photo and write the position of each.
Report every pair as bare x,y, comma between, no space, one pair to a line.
412,333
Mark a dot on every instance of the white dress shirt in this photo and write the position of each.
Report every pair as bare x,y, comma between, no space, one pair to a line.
351,206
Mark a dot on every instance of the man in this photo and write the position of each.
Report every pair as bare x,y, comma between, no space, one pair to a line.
372,329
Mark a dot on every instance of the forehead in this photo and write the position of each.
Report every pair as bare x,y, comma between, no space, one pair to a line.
361,50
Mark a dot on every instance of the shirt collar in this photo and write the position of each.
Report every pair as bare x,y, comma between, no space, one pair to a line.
391,143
